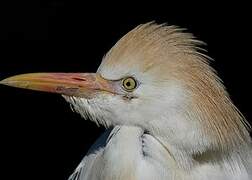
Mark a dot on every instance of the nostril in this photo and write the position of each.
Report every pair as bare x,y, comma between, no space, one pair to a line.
79,79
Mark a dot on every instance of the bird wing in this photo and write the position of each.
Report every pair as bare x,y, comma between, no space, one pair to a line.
85,169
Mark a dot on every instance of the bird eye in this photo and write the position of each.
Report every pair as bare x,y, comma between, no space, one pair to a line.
129,84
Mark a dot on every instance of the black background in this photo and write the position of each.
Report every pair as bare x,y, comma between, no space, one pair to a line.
40,137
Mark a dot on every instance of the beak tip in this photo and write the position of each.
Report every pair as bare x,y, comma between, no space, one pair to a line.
4,82
12,83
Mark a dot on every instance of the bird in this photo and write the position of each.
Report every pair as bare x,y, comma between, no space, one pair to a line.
166,112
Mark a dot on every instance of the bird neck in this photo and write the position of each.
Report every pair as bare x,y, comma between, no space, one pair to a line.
133,150
130,149
187,159
123,147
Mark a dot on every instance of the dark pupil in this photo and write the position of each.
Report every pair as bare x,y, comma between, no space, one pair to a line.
128,83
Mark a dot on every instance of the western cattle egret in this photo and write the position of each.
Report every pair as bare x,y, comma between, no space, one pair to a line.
167,114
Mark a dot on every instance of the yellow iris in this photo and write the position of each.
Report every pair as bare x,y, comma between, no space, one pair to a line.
129,84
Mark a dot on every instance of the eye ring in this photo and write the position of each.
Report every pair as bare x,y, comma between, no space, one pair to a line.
129,83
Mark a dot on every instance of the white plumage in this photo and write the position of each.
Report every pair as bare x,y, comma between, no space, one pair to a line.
167,114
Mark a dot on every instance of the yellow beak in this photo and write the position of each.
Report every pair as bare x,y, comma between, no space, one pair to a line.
70,84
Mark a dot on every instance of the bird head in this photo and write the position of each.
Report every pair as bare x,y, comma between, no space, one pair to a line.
157,78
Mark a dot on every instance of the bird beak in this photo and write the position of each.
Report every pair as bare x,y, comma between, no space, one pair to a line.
70,84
